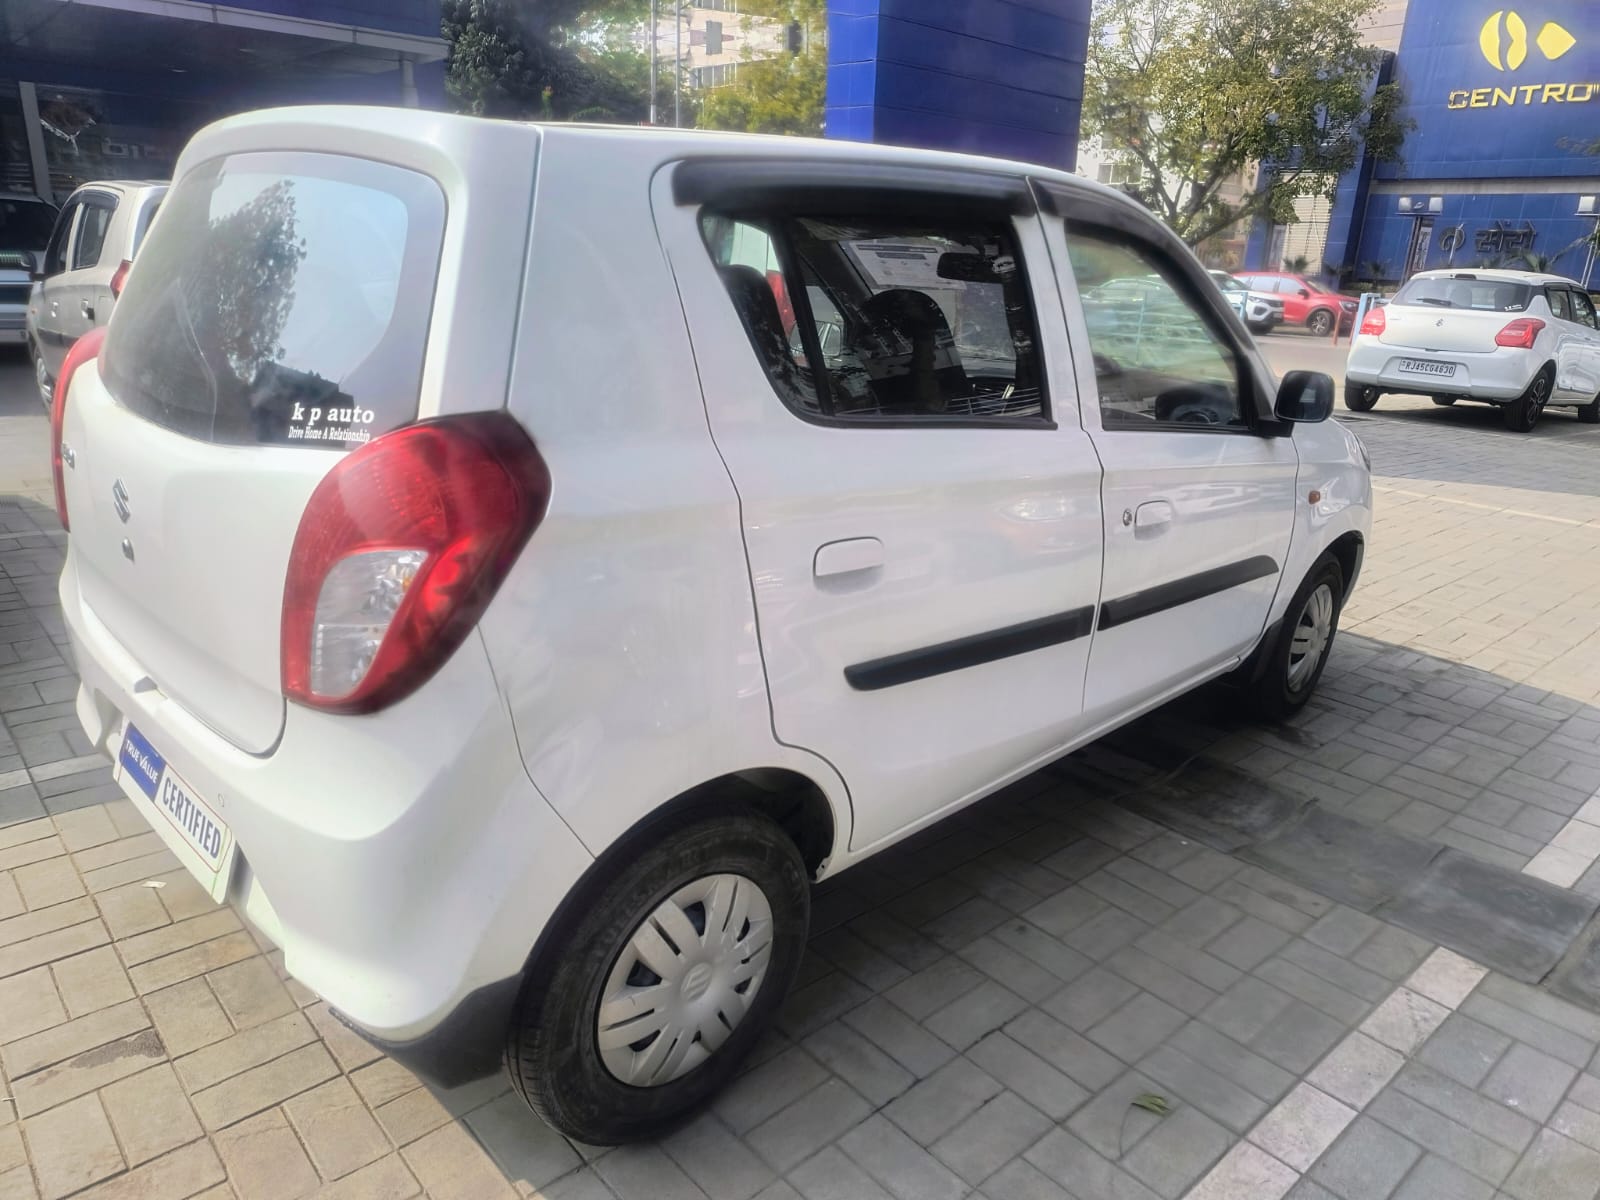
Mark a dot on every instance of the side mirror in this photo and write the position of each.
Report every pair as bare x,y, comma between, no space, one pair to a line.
1304,294
1305,397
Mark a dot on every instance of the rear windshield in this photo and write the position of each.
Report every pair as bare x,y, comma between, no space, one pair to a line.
1482,295
282,299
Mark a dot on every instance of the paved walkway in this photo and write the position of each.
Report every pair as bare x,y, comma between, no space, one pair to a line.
1051,995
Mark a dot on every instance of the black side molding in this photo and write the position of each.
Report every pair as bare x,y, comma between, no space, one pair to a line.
970,651
1181,591
839,185
466,1046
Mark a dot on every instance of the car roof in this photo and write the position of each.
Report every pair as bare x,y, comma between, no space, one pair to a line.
119,185
1497,275
318,123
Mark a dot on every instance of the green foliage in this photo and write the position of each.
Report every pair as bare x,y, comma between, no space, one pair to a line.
1196,90
1298,265
786,94
550,59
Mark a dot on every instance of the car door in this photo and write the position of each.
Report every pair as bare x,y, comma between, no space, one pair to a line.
920,516
1588,320
49,326
1567,345
1198,494
84,289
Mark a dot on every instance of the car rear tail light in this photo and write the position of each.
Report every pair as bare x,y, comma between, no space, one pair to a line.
1375,322
120,279
399,551
85,349
1520,334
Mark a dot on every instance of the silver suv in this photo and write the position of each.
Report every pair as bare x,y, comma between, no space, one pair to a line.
84,268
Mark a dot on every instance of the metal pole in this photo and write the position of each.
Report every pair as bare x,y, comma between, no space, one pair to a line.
29,99
655,30
677,65
1588,258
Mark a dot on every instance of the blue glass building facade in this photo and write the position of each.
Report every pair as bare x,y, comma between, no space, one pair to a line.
1000,77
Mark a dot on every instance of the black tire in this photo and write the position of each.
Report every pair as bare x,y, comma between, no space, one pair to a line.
553,1049
1320,323
1359,398
1277,691
1523,413
1444,401
1589,414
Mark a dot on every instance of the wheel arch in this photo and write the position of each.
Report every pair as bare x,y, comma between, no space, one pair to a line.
1349,548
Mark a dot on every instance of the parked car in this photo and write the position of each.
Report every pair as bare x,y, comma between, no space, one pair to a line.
513,637
84,267
1261,311
1305,301
25,223
1516,339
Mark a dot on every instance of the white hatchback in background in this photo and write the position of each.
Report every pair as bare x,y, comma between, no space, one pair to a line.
1516,339
85,267
510,596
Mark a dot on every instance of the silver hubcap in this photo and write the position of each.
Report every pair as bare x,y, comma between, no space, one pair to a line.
42,376
1311,634
685,980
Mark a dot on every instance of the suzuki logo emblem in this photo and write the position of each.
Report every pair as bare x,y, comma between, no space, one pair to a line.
119,498
1553,41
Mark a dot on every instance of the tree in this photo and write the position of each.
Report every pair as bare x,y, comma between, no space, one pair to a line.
1196,90
787,94
550,59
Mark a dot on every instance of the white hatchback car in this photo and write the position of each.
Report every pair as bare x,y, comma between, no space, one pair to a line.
486,579
1516,339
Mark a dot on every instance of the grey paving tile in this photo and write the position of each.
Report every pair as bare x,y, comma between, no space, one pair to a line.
1136,1028
762,1091
1343,931
1178,1151
926,992
1038,947
1103,935
1325,997
1529,1081
795,1133
940,1102
1247,1008
1028,1075
1345,860
1555,1168
1068,1161
1487,1117
1063,1048
898,1036
1019,1180
1367,1163
1159,979
1228,1058
829,1175
859,1062
1435,1178
1022,975
975,1015
1571,1048
898,1164
998,1132
1110,1123
1088,1000
1204,1088
1201,921
1298,1037
1464,1049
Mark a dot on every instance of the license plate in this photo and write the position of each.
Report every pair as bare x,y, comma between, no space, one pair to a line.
203,840
1421,366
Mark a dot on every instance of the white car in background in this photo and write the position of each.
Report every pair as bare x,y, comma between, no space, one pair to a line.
1517,339
1261,311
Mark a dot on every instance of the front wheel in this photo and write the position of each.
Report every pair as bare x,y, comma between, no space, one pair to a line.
1589,413
1294,661
42,380
1359,398
1523,413
1320,323
663,980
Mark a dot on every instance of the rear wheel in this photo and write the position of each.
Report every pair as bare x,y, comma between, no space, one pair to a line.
1589,414
42,380
1523,413
1444,401
1295,660
664,980
1320,323
1359,398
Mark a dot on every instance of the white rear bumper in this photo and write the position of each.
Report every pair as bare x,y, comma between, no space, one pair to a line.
1503,374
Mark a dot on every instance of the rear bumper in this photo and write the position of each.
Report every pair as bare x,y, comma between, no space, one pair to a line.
404,862
1499,376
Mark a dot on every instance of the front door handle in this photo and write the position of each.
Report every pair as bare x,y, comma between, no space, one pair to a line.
1152,517
848,557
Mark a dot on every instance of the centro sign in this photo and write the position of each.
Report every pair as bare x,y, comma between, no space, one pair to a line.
1503,39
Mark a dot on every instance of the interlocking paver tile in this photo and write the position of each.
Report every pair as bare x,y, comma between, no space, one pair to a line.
1029,1076
1091,998
1555,1168
1435,1178
261,1087
902,1167
1066,1050
937,1104
91,981
150,1113
29,1003
831,1176
71,1147
1493,1120
1368,1162
1019,1180
859,1062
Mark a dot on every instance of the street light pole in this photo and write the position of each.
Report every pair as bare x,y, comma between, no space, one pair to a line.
655,30
677,64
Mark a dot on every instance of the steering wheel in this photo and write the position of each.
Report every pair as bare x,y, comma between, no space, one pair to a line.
1191,414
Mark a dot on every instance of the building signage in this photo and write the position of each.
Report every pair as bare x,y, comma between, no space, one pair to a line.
1505,44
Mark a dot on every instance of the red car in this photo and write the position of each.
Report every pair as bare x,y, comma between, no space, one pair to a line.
1305,301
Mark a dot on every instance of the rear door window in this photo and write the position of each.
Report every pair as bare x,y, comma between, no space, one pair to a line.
282,299
97,214
1467,293
1583,310
1560,302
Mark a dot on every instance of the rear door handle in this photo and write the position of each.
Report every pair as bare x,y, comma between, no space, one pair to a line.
87,311
847,557
1152,516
